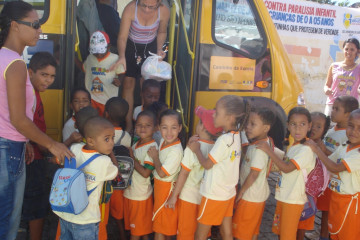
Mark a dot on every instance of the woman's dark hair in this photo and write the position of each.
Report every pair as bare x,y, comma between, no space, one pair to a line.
41,60
301,111
149,114
327,121
80,89
170,112
12,11
353,41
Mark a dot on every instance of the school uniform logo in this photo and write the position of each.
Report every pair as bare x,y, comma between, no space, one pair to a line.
234,154
97,86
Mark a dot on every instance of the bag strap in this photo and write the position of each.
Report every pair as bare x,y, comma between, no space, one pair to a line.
121,138
271,142
70,163
88,161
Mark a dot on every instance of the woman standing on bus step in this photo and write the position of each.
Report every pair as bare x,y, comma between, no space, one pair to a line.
143,29
19,24
343,77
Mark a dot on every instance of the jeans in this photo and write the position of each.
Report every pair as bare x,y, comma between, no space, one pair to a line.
73,231
12,184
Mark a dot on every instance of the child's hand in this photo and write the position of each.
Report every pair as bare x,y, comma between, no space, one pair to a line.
76,137
239,196
29,153
171,202
131,153
153,152
193,143
116,82
312,145
263,145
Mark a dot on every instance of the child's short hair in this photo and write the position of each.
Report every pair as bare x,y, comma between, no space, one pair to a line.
171,112
266,115
41,60
95,125
117,108
150,83
349,103
82,116
149,114
357,111
157,107
79,89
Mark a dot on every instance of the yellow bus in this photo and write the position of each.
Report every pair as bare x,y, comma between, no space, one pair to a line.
216,47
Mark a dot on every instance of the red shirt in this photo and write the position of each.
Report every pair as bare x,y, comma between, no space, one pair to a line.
39,121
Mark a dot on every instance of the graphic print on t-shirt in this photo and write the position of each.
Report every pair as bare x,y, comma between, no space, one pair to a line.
97,86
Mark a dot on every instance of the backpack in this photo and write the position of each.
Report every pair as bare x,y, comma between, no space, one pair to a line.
68,189
317,180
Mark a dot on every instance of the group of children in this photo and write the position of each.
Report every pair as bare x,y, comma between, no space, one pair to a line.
200,186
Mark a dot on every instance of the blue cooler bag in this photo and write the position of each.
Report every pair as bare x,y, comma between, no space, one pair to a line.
68,190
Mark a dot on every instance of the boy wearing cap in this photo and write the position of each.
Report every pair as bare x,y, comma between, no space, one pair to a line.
191,174
99,81
250,199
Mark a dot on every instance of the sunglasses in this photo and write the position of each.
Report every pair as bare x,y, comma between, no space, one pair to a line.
149,7
35,25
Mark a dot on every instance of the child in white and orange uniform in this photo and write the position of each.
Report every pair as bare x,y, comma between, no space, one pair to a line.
221,168
253,177
344,163
290,189
191,173
167,166
138,199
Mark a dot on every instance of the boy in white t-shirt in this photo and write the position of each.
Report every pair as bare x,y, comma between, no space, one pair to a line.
99,81
253,177
191,174
99,135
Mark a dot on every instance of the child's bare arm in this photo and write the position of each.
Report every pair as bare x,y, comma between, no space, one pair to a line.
154,154
75,137
180,182
251,178
323,148
194,146
285,167
330,165
143,171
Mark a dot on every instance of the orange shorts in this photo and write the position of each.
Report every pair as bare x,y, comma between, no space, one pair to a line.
165,219
102,225
187,224
307,224
339,204
286,220
212,212
247,219
117,204
323,201
138,216
98,106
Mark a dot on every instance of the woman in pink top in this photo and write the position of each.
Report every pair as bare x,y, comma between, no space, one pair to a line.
19,24
343,77
143,28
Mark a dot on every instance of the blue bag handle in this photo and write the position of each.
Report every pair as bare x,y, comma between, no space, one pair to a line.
70,163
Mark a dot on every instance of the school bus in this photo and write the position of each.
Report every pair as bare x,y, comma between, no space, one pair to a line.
216,48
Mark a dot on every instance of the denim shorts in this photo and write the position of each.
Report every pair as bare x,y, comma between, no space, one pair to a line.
12,184
73,231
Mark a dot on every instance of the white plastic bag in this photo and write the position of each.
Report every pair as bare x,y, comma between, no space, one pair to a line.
152,68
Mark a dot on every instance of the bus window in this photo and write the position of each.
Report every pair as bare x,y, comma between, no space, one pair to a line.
41,6
236,28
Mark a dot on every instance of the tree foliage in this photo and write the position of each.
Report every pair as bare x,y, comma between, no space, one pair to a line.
332,2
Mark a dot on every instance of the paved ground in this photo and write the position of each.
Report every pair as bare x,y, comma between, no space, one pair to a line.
265,230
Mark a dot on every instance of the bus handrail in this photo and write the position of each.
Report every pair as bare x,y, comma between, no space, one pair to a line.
191,53
179,100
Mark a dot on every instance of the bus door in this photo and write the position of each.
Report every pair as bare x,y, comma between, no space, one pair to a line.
236,51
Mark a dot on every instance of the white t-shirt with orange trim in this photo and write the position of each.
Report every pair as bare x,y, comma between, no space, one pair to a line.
98,78
170,157
244,139
69,128
99,170
334,138
140,188
257,160
219,181
290,187
125,141
346,182
191,189
137,110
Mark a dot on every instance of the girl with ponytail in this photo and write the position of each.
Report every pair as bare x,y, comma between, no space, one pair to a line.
20,27
290,189
221,167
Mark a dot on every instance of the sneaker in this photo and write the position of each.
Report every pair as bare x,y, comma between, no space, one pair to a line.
313,235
